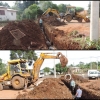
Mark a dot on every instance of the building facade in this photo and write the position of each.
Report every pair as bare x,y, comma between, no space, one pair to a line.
7,14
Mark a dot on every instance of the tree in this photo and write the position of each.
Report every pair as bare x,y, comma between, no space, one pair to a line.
89,7
30,55
21,6
62,8
4,4
79,9
46,69
2,67
31,11
44,5
60,69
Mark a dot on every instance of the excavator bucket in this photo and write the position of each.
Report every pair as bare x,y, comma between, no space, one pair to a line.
63,59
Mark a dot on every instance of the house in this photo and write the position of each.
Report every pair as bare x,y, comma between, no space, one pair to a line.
75,69
7,14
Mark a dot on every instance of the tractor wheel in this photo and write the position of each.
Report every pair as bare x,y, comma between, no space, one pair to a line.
87,20
1,87
18,82
80,20
68,18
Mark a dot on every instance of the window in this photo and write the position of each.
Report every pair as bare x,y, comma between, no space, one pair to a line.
2,12
11,13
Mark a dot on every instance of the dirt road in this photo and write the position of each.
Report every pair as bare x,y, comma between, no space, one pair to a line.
82,28
12,94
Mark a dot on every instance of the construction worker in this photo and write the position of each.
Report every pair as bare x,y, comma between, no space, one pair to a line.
72,85
41,22
16,69
78,93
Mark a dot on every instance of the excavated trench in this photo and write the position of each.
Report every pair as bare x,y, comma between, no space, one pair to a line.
85,93
57,37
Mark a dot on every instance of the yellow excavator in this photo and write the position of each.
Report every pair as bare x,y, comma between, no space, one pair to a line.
18,76
51,11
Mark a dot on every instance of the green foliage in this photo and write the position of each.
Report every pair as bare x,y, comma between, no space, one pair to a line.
32,12
44,5
62,8
4,4
21,6
60,69
2,67
46,69
30,55
89,7
79,9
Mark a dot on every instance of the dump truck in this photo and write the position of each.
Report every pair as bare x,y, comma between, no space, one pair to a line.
71,14
23,77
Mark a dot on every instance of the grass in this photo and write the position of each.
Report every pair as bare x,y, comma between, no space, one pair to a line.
86,44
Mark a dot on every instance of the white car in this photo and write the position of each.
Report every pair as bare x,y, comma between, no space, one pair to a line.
99,74
41,75
93,74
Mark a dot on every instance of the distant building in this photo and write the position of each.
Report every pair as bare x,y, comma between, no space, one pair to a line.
7,14
75,69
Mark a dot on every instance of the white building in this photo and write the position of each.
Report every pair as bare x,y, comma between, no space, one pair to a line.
7,14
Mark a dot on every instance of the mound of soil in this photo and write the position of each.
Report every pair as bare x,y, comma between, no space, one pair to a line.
50,88
95,85
51,20
79,78
32,33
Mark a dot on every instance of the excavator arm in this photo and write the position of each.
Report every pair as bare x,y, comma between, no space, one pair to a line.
39,61
54,11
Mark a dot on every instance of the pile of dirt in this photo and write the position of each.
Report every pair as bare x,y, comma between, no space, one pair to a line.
32,34
94,85
50,88
52,20
79,78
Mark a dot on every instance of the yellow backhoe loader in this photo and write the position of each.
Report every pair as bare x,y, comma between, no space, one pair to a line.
71,14
18,76
51,12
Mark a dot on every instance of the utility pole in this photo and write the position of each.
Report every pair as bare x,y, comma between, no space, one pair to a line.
94,21
97,63
54,68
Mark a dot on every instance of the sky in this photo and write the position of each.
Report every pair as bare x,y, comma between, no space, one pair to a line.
83,4
74,56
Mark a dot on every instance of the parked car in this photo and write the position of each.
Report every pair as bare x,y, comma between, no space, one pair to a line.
41,75
93,74
99,74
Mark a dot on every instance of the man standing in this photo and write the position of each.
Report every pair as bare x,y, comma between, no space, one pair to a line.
41,22
72,84
78,93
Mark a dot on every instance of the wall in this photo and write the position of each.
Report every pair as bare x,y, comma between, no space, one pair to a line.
3,17
11,15
8,15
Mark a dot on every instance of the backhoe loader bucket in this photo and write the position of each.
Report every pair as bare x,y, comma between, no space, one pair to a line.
63,59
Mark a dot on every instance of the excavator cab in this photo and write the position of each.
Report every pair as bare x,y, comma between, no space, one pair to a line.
16,73
17,67
70,10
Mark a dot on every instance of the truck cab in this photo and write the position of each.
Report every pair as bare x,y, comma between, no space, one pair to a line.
93,74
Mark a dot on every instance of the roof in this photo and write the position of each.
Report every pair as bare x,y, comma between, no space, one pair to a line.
8,9
3,7
11,10
16,61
